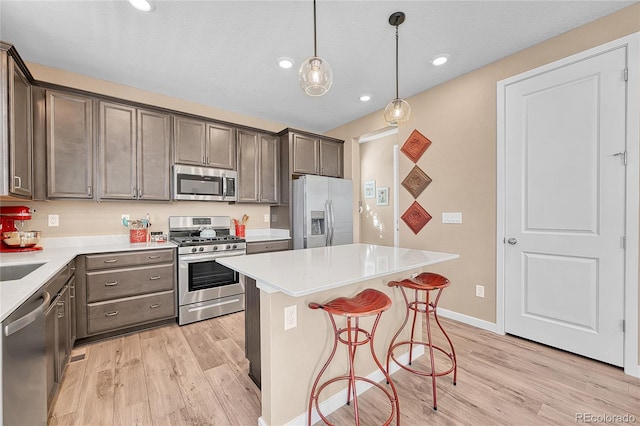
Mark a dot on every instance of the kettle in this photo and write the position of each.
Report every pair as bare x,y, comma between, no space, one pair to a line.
207,232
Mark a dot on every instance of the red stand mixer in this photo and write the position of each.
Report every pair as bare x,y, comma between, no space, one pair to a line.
15,239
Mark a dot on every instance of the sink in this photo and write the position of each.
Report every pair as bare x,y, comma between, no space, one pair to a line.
17,272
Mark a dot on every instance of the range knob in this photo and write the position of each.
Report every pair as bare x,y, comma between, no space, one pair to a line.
235,246
228,247
194,249
201,249
215,248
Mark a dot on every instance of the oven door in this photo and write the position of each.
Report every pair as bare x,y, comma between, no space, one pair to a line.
201,278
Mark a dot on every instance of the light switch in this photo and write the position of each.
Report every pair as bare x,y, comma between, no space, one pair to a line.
452,217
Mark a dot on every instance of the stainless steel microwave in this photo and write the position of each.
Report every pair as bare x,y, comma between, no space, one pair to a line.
204,183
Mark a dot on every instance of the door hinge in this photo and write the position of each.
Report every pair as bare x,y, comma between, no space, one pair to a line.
625,74
623,326
624,242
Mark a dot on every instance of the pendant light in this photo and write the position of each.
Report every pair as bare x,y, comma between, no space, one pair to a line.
315,74
398,110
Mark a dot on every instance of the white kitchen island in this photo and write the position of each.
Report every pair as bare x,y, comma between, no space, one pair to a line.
290,359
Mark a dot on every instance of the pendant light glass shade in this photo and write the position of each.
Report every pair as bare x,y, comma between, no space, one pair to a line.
316,76
397,112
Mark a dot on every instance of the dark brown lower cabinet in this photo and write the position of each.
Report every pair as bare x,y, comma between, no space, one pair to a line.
252,309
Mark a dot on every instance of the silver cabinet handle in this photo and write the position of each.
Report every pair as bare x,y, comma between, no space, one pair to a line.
111,284
17,180
155,305
155,277
135,193
512,241
89,189
156,256
60,309
111,261
111,314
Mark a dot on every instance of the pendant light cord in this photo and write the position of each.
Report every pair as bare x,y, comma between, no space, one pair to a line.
315,42
396,61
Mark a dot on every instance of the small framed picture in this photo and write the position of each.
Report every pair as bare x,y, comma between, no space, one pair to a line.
382,198
370,189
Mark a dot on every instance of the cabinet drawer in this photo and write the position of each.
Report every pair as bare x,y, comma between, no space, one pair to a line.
266,246
114,284
112,315
118,260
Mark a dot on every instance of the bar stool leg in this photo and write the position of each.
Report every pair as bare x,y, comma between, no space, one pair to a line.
453,351
313,396
430,344
404,323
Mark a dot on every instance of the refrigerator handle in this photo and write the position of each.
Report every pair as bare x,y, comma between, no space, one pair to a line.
332,223
327,231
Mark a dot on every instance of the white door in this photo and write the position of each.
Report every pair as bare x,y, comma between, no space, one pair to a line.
565,206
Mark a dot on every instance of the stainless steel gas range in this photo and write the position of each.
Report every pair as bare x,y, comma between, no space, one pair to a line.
206,289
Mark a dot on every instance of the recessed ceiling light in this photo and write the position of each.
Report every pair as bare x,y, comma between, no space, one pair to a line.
143,5
285,63
365,98
440,60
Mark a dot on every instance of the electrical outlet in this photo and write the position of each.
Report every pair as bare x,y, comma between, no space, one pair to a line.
266,217
452,217
480,291
54,220
290,317
124,217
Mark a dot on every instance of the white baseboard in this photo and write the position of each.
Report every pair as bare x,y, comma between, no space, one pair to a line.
337,400
465,319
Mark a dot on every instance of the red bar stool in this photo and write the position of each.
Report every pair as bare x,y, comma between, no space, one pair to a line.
367,303
424,282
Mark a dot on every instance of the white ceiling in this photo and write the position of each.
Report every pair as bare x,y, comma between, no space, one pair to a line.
223,53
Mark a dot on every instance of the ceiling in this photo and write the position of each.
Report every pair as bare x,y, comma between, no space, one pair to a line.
224,53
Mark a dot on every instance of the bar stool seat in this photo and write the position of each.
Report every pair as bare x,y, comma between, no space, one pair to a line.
368,302
425,282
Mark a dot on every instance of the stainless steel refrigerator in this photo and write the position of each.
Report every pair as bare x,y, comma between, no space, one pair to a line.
322,212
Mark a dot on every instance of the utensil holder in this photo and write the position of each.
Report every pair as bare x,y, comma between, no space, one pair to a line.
240,230
138,235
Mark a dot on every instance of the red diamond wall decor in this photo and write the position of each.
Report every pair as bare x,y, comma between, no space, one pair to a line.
415,145
416,217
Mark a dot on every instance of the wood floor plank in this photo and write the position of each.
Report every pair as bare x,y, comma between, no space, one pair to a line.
240,406
71,390
160,376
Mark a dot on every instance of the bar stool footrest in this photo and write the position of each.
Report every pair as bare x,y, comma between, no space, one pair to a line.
419,372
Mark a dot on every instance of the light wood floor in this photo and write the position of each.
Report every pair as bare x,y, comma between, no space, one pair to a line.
197,375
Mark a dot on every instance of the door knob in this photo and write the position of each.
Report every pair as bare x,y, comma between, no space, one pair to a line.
512,241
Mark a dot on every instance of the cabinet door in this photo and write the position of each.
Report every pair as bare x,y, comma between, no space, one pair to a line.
331,158
305,154
269,169
248,156
154,150
117,142
190,140
72,311
69,146
221,146
20,139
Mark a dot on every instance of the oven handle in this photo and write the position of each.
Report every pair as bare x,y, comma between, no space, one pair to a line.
207,257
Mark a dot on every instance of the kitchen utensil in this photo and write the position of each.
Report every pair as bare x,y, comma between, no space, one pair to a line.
245,219
21,238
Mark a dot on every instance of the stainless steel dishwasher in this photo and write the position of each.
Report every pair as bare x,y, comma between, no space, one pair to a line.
24,396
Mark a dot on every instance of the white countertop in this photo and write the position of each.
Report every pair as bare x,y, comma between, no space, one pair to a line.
266,234
56,253
303,272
